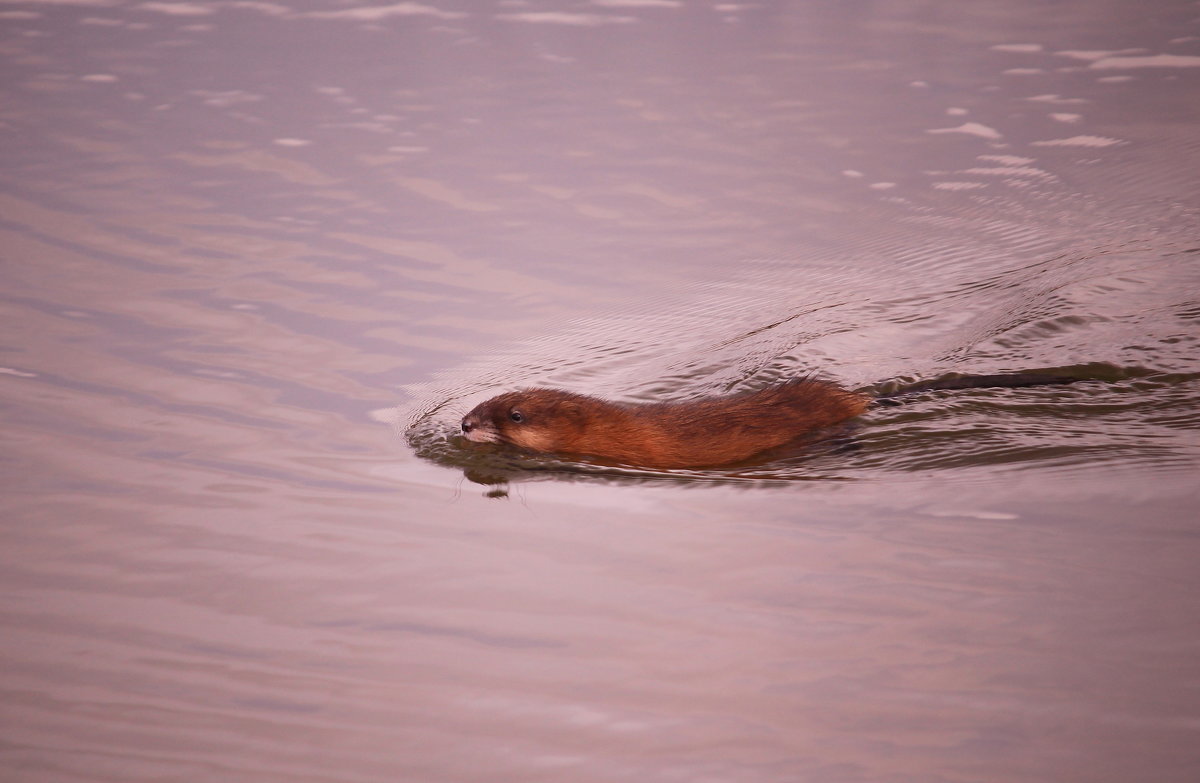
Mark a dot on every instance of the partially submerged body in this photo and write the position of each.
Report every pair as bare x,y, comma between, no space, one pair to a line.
698,433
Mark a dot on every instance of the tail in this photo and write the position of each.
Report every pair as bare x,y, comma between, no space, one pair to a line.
952,382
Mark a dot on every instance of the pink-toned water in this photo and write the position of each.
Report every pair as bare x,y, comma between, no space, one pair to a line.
258,259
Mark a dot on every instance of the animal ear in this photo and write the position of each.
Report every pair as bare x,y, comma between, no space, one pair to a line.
569,408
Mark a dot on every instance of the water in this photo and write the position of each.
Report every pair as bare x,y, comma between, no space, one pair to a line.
258,259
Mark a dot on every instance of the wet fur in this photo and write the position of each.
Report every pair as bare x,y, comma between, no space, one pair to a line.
699,433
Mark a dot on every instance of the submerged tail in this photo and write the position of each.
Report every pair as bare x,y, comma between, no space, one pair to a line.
951,382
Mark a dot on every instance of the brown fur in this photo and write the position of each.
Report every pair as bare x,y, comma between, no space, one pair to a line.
707,432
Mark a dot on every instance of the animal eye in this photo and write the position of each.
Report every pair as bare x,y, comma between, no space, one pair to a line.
517,416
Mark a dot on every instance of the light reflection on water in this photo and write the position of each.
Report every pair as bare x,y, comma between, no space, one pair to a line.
237,234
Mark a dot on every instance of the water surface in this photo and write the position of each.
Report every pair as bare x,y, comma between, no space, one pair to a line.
259,258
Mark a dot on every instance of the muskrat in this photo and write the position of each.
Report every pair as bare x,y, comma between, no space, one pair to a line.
690,434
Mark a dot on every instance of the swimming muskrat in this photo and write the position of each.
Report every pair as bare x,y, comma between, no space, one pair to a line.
696,433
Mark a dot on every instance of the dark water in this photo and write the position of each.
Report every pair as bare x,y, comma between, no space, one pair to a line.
259,258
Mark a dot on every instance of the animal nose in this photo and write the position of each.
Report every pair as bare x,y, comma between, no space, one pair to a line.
467,426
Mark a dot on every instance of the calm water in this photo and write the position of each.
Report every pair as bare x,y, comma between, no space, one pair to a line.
259,258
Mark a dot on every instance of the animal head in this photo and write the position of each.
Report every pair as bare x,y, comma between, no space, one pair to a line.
535,419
